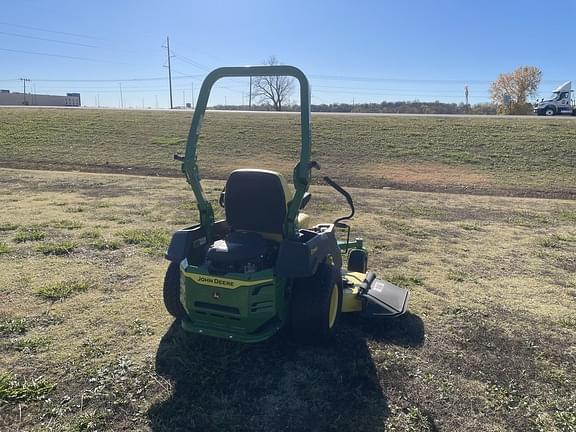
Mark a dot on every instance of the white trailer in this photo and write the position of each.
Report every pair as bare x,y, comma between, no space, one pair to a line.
561,102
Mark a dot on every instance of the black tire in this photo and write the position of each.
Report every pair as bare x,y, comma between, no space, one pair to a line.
311,306
358,261
172,291
549,111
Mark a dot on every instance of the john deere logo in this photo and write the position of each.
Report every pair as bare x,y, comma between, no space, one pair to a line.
224,283
216,295
214,281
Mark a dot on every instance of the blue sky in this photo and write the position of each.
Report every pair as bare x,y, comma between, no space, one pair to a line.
366,51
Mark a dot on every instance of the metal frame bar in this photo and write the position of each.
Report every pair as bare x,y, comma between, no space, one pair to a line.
301,175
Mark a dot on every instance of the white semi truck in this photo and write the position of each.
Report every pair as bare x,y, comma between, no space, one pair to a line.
561,102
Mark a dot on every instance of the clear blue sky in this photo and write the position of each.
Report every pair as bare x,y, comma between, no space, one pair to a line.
361,50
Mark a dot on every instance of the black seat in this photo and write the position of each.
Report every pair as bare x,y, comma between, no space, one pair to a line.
255,200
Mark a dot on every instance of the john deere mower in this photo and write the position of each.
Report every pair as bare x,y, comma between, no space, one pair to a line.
264,267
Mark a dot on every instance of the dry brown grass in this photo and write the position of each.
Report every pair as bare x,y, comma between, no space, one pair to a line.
489,345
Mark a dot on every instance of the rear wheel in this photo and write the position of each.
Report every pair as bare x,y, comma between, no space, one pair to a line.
172,291
316,305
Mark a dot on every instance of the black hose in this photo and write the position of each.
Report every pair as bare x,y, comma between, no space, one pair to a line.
345,194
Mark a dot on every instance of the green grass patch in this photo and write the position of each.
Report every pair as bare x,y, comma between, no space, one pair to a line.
93,348
550,242
8,227
152,240
10,326
62,290
29,234
106,244
470,226
457,275
529,219
404,281
565,420
91,233
4,248
74,209
140,328
568,216
568,322
66,224
13,389
57,248
32,344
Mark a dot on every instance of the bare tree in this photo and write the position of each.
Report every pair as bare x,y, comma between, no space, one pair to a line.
511,90
274,89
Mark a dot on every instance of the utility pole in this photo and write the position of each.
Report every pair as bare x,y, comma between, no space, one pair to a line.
183,98
121,97
250,96
466,96
24,80
169,70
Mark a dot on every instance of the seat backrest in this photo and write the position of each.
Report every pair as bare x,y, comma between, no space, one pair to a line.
256,200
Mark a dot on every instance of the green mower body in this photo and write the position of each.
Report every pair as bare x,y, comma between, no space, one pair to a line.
263,268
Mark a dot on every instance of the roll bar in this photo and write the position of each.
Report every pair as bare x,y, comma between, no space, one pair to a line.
301,175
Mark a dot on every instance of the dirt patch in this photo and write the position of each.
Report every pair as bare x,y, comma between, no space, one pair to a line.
417,178
429,174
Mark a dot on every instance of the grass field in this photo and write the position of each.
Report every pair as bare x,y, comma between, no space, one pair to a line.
489,343
508,156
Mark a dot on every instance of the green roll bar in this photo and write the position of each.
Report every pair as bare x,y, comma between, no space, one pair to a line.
301,175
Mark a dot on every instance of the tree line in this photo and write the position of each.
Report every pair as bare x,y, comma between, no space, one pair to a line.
509,94
405,107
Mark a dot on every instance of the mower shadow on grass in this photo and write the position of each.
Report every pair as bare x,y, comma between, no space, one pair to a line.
277,385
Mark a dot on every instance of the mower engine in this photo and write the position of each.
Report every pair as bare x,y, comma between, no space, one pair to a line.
241,252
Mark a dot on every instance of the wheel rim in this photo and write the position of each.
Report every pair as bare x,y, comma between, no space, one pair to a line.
549,112
334,299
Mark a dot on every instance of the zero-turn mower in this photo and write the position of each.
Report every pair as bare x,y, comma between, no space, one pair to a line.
264,268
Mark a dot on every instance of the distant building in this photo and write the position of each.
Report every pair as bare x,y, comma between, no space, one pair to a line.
15,98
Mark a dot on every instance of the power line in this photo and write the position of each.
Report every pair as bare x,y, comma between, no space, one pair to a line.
48,40
109,80
64,56
397,89
408,80
191,62
50,31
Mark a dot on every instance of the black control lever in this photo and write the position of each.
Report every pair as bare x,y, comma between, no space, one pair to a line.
365,286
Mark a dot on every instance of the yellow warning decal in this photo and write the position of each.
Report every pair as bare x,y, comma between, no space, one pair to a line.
222,282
